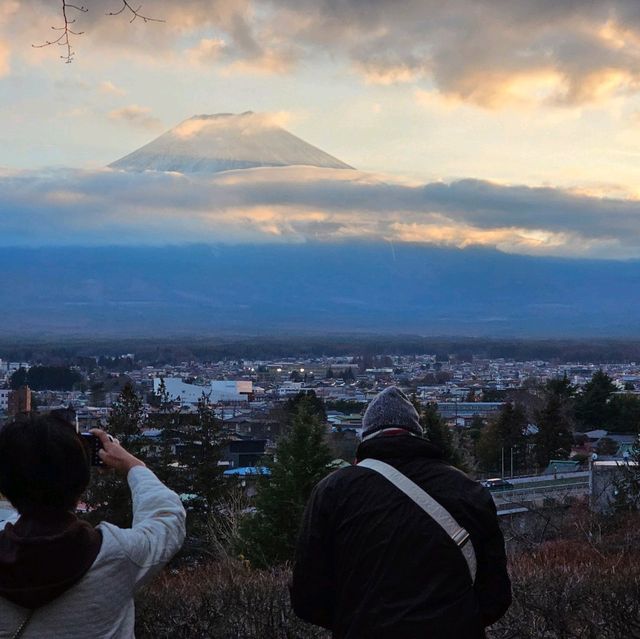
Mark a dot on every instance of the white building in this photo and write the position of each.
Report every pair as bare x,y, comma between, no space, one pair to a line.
12,367
216,391
290,389
4,400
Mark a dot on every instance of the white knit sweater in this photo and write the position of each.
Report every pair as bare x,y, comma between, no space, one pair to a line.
100,605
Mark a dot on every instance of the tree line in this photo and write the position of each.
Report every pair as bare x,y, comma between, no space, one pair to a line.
186,455
544,423
62,378
367,347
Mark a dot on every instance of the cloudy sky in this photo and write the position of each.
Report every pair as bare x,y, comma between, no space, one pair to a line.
506,123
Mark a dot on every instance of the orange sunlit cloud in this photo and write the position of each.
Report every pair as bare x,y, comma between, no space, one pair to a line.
519,93
4,59
116,207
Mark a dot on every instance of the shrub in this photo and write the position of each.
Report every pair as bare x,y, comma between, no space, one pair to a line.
585,586
220,600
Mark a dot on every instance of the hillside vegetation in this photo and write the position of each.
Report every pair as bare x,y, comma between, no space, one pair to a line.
584,586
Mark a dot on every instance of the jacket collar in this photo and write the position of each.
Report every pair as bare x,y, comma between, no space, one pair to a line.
397,446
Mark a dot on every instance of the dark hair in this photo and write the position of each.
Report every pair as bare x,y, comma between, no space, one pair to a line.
43,463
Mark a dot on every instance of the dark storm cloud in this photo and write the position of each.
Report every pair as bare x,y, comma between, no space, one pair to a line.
295,204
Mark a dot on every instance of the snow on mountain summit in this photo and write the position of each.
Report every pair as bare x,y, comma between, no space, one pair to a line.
223,142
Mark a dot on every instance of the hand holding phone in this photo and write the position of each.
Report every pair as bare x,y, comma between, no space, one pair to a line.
93,445
113,455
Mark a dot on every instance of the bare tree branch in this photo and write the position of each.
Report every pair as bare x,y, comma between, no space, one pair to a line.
66,31
64,39
135,13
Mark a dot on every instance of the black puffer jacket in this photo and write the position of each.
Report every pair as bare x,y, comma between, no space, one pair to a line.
371,564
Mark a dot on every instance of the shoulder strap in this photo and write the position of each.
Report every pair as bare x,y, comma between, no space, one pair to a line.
436,511
23,625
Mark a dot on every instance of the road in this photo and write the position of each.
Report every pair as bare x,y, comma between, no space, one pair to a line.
538,492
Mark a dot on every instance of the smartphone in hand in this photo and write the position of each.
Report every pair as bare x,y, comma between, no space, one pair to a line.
93,445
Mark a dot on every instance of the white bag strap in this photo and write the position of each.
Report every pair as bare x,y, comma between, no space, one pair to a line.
18,633
437,512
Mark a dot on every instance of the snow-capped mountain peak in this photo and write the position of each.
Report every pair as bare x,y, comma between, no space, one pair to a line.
223,142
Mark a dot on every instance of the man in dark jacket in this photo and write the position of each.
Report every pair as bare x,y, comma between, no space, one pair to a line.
372,564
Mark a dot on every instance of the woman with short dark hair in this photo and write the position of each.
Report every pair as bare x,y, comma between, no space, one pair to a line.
59,576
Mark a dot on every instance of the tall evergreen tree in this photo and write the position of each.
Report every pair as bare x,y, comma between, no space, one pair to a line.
310,400
625,414
347,375
503,437
555,422
206,474
439,434
301,460
592,405
108,497
168,420
126,417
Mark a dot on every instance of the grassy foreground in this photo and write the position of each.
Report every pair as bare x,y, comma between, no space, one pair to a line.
585,586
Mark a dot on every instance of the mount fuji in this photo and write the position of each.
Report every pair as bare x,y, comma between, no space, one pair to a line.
225,142
283,243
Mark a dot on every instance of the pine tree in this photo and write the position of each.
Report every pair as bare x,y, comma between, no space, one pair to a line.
108,496
126,417
301,460
625,414
592,406
440,435
168,420
311,401
347,375
555,423
202,460
505,435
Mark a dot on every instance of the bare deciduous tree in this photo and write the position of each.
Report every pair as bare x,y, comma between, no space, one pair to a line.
66,29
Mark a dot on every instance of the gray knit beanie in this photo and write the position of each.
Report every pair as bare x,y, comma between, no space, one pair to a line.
391,409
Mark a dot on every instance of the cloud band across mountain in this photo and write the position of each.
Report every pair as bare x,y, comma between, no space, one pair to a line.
295,204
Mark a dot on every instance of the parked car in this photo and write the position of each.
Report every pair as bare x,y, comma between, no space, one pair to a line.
497,484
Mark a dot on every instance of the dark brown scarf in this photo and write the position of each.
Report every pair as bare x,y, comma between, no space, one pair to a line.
43,554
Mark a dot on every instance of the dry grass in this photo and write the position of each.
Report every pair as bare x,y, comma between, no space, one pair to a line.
584,587
220,600
574,590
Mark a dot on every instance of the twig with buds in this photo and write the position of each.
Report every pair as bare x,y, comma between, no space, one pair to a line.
64,40
135,13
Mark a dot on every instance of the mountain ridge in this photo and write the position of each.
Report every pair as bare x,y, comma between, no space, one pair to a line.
328,287
223,142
